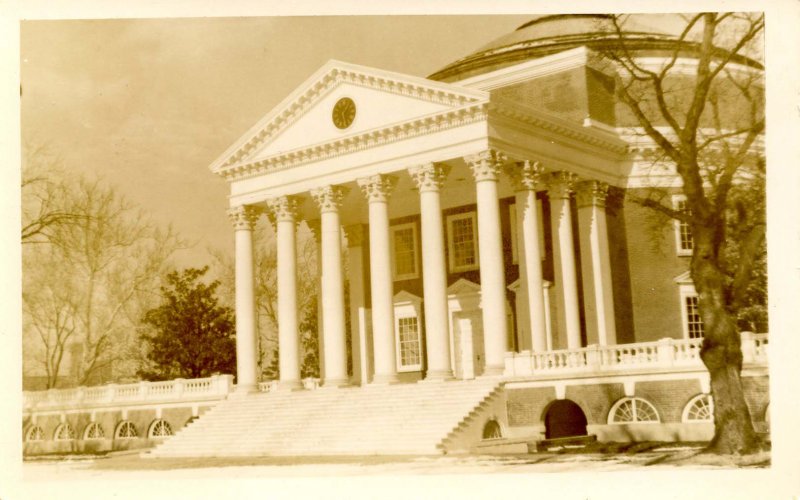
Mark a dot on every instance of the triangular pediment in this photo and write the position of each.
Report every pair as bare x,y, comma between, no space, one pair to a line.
684,278
403,296
381,98
463,287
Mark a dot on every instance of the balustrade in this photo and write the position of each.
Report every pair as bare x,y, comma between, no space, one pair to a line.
660,355
215,387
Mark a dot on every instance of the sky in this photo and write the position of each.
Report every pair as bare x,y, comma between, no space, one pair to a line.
148,104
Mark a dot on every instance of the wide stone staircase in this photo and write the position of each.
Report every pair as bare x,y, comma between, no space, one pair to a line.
397,419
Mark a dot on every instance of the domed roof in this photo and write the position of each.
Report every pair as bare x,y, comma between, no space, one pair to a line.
549,34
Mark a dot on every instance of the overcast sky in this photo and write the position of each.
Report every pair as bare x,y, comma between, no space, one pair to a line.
149,104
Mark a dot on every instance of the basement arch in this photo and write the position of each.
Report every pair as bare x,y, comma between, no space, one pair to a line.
564,418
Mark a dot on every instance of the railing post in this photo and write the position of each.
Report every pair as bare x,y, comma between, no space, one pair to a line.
225,384
177,387
748,347
111,392
143,389
510,362
593,360
80,395
666,352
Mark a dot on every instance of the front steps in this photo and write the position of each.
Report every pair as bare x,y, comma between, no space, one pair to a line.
399,419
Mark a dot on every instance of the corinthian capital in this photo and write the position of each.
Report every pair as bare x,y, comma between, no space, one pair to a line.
591,193
244,217
377,188
485,165
429,176
561,185
525,175
283,208
329,198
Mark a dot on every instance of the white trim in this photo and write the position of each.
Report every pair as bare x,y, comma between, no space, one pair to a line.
89,427
407,305
685,291
688,406
451,265
330,74
634,400
537,68
118,429
29,432
677,199
415,243
151,429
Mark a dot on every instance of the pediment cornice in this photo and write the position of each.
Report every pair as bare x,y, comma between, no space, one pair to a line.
328,77
428,124
535,118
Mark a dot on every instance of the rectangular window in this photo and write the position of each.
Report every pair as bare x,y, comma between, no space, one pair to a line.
694,323
683,236
410,348
404,252
463,242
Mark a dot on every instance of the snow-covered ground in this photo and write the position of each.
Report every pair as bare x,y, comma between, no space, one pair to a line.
130,476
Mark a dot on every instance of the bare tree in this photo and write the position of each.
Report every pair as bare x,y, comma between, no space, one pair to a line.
44,198
701,108
266,296
84,288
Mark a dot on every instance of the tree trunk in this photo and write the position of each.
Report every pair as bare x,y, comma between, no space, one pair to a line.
733,427
722,355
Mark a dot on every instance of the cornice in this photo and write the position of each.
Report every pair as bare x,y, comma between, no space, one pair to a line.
563,128
329,76
537,68
428,124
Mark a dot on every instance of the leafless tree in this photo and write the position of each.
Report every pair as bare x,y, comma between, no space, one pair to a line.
266,287
84,286
701,108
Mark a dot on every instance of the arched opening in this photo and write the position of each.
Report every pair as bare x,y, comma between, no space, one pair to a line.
564,419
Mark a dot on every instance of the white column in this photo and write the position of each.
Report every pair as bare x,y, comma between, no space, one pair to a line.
429,179
283,212
329,199
485,169
526,176
358,306
377,189
598,291
560,188
316,229
244,219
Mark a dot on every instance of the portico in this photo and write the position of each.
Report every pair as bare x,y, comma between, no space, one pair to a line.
421,179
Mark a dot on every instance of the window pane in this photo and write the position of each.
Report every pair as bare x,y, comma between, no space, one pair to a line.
463,242
409,341
686,241
404,258
693,319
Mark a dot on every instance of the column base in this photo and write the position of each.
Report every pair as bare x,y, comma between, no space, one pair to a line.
381,379
439,375
493,371
290,385
335,382
244,390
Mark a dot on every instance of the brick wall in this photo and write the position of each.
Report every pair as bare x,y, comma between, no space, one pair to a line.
654,264
669,397
526,406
